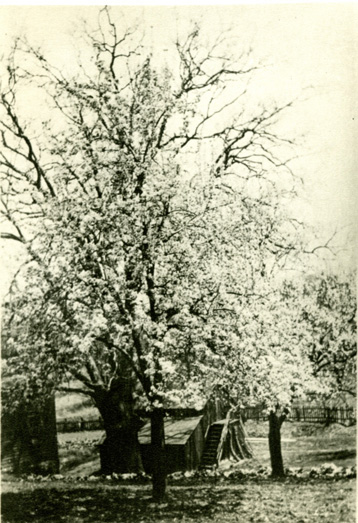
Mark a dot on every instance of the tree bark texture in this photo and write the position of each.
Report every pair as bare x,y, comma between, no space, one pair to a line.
276,418
120,452
159,469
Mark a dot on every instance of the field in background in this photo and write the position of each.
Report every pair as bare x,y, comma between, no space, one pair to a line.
70,406
304,445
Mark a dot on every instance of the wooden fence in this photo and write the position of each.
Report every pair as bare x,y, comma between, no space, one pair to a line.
77,425
345,416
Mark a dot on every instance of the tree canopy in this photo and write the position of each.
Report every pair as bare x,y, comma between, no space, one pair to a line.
140,210
329,313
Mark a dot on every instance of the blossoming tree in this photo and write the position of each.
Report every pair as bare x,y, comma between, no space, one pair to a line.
286,340
147,202
328,308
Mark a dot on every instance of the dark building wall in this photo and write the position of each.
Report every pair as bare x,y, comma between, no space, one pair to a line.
29,440
175,458
188,456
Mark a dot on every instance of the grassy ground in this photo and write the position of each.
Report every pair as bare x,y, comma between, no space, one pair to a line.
303,445
256,502
222,499
306,445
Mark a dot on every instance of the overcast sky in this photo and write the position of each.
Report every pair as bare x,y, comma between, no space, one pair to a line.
312,46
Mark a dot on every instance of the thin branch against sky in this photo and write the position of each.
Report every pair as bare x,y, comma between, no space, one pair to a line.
309,51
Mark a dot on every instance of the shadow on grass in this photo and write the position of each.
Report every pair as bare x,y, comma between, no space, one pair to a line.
93,505
335,455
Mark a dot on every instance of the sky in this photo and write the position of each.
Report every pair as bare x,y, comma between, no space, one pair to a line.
310,52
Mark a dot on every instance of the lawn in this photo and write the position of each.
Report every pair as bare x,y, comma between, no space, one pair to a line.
241,492
303,445
306,445
251,501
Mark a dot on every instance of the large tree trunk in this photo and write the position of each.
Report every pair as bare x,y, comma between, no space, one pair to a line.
120,452
276,418
159,472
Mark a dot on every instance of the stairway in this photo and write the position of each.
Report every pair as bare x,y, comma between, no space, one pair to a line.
208,458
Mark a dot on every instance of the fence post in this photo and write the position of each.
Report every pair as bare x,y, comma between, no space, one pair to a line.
328,419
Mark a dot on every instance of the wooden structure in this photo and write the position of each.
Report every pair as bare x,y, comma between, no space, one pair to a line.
184,441
226,439
195,439
29,440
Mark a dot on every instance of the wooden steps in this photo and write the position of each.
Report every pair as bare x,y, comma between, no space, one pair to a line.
209,456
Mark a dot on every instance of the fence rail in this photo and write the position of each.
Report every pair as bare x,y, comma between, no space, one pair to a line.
346,416
77,425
